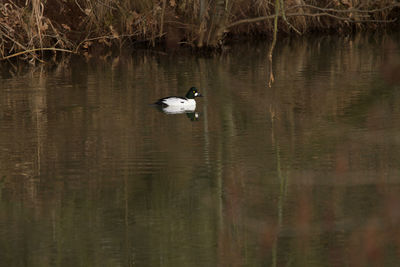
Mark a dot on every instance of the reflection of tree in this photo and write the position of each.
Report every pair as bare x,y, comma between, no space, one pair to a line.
283,183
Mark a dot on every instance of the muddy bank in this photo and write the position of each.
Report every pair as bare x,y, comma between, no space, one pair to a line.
29,28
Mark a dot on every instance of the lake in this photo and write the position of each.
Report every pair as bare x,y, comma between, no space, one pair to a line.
303,173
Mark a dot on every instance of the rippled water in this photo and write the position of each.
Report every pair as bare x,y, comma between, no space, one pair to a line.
305,173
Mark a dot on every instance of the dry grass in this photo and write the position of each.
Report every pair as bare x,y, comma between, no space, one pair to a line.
35,26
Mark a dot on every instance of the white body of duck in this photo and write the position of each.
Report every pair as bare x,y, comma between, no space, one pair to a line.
177,104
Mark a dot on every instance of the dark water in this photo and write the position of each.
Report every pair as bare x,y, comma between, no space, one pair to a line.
306,173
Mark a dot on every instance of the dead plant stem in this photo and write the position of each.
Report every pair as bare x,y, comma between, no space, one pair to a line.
162,17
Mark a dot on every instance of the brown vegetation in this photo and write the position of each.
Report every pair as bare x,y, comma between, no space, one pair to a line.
27,28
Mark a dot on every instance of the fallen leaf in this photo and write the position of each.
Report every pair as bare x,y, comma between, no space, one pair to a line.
87,44
65,26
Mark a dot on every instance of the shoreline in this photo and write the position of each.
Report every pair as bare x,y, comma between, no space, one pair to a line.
32,29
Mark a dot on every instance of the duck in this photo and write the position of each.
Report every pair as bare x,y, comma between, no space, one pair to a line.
177,103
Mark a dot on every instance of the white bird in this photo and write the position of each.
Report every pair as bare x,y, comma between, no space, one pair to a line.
177,104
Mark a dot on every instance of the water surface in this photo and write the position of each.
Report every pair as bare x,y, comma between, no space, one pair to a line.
305,173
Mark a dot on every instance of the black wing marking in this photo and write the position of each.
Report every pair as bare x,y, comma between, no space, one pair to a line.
162,103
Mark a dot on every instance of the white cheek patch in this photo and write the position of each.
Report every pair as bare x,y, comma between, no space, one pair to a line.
196,94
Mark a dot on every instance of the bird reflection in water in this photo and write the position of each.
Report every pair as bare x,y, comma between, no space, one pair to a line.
171,110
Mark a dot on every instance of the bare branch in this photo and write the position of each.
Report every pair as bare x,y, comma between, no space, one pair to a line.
252,20
271,49
285,19
36,49
351,10
322,14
